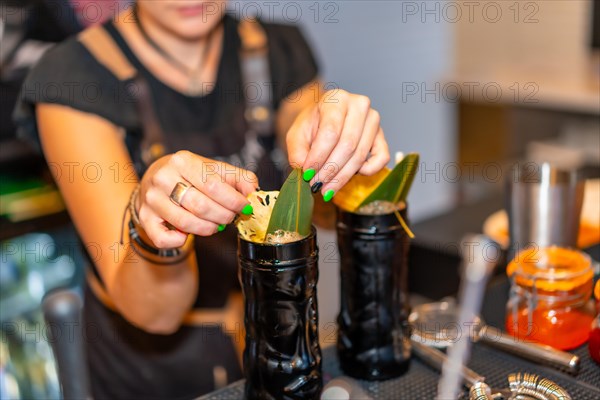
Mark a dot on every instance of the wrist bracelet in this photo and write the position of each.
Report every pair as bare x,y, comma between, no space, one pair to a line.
153,254
145,250
132,200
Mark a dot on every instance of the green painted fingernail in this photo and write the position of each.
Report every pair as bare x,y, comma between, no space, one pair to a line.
221,227
308,174
328,195
247,210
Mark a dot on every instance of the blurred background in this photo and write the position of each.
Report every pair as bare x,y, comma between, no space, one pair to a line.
473,86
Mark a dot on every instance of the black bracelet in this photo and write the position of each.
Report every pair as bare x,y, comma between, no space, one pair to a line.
135,236
151,253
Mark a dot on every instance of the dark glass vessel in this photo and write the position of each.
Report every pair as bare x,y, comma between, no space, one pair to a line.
373,332
282,358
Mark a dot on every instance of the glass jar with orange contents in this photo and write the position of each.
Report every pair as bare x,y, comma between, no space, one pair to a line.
550,297
594,342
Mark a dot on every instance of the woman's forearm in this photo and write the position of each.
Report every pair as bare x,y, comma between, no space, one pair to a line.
153,297
153,291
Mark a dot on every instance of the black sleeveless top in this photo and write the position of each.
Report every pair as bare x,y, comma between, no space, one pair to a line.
127,362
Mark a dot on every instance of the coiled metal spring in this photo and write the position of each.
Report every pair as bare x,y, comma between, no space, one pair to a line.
522,386
534,386
480,391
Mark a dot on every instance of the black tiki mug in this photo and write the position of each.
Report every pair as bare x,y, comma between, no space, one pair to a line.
282,358
373,332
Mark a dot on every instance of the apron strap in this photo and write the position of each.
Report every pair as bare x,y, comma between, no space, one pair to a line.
256,77
104,49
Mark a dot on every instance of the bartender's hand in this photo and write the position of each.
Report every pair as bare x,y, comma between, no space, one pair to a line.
337,138
217,192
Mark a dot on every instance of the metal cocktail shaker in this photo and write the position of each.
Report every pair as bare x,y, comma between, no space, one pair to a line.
544,206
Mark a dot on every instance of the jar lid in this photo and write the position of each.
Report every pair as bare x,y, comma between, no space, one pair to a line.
438,324
551,268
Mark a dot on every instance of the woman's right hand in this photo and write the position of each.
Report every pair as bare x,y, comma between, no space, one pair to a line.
217,193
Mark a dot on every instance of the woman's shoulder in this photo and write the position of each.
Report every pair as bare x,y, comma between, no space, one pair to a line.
66,65
287,36
281,36
283,30
292,60
70,75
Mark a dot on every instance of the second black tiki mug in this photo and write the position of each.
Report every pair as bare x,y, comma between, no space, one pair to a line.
373,337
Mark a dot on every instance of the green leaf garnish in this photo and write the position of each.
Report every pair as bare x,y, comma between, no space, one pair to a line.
294,207
396,185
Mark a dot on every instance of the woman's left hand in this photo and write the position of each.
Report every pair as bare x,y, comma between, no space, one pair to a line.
335,139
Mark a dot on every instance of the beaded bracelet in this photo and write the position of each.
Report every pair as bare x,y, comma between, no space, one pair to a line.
132,200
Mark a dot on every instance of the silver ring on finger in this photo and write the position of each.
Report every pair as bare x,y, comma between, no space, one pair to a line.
178,193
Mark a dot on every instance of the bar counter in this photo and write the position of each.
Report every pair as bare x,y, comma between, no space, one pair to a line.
432,254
